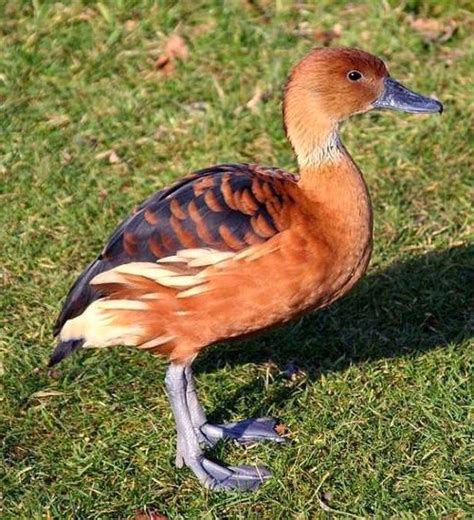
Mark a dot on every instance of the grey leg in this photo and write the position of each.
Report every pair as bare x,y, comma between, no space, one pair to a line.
247,431
196,412
211,474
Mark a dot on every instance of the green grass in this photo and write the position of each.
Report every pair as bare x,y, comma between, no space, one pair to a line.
379,417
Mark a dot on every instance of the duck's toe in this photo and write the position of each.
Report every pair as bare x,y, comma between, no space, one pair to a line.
248,431
239,478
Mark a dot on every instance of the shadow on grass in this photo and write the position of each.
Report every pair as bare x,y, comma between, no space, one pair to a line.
405,310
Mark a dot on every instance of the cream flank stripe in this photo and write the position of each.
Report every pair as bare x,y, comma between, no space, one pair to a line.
96,325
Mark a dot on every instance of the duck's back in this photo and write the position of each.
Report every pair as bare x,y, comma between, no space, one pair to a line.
227,207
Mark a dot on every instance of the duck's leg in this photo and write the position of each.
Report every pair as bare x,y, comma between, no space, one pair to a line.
211,474
247,431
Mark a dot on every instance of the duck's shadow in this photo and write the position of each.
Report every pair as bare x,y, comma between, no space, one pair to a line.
405,310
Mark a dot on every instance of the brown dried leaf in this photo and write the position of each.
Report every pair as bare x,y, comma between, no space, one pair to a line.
432,29
165,64
325,38
281,429
175,49
130,25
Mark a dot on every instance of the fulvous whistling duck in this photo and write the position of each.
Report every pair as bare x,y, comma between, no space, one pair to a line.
237,248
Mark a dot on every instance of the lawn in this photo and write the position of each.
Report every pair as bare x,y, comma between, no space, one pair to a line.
96,113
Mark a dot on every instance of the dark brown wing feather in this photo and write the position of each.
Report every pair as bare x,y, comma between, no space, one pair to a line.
225,207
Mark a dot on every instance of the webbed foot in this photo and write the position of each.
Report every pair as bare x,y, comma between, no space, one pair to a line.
247,431
219,477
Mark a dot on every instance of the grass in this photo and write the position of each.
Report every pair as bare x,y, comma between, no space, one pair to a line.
379,416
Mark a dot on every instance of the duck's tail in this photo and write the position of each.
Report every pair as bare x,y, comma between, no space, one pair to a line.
63,349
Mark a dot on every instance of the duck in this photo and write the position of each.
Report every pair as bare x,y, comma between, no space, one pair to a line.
235,249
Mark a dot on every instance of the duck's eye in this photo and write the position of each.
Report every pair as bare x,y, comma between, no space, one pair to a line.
354,75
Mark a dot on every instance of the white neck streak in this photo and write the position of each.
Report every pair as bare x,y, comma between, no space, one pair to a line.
313,134
319,152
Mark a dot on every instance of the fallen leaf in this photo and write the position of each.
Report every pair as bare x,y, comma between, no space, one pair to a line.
165,64
326,37
433,30
151,514
130,25
281,429
175,49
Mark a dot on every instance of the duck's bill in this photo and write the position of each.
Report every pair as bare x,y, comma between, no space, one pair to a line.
397,97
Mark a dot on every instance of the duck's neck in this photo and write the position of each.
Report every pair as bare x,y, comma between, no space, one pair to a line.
339,200
313,134
336,189
329,177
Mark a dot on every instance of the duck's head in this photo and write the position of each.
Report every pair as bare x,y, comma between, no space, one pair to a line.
329,85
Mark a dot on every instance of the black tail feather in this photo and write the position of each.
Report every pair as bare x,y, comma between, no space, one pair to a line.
63,349
80,295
